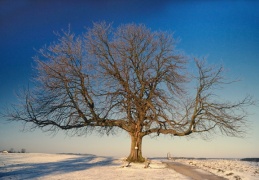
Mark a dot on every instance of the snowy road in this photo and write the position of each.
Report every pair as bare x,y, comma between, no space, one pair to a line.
193,172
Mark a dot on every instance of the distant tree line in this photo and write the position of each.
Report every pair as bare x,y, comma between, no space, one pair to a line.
12,150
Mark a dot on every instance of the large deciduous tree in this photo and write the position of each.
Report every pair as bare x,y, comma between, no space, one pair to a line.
127,78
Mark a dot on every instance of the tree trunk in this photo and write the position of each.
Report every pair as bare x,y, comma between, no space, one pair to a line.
136,149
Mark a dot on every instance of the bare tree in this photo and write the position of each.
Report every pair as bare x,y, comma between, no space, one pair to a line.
11,150
23,150
128,78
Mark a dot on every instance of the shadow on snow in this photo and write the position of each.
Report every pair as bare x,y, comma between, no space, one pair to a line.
37,170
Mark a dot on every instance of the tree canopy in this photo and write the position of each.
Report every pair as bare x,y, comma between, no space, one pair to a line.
128,78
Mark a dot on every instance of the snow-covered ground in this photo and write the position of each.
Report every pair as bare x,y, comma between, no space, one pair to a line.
72,166
230,169
69,166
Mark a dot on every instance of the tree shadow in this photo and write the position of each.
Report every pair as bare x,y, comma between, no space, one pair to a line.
37,170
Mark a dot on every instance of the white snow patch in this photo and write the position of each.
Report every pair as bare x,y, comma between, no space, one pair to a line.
230,169
73,166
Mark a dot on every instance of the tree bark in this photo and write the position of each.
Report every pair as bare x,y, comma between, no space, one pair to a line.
136,149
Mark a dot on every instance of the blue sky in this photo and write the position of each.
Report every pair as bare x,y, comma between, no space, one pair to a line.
226,32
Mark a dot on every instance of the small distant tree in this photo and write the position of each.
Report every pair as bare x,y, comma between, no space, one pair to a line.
11,150
23,150
128,78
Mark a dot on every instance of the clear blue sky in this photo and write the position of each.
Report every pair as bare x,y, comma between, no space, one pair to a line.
226,32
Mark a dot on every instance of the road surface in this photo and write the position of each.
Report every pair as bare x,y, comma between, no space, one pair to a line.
193,172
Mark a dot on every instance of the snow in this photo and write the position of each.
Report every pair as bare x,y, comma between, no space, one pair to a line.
72,166
83,166
228,168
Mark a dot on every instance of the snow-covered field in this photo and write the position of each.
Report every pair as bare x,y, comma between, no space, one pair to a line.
65,166
72,166
230,169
